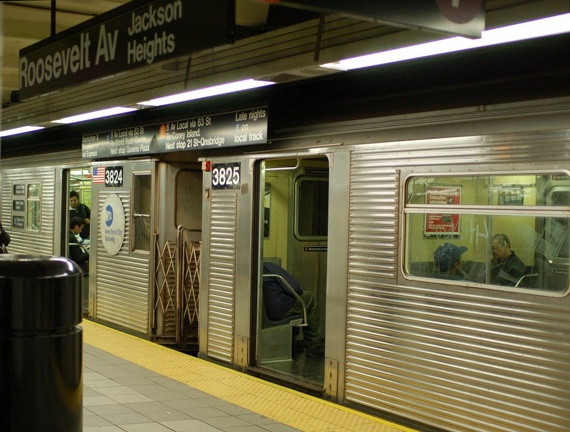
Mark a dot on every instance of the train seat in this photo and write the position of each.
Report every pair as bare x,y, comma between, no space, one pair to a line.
276,343
528,280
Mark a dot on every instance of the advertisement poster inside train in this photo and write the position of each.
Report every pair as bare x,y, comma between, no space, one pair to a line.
442,224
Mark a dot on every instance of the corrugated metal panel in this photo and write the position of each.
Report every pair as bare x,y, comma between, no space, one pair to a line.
122,279
462,360
24,241
221,287
373,230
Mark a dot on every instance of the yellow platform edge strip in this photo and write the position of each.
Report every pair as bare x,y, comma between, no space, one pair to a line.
278,403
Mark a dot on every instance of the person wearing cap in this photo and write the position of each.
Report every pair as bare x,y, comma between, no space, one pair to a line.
506,267
448,261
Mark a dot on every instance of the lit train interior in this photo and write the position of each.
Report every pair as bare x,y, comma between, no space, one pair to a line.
294,215
483,215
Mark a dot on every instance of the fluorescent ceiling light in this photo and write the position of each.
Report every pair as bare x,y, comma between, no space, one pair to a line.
528,30
208,91
94,115
19,130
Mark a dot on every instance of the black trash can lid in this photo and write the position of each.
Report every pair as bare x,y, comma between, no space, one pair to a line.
39,294
36,266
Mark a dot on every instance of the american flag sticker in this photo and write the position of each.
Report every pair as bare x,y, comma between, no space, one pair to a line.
98,175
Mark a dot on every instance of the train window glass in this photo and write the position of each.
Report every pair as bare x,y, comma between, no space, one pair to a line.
507,231
188,200
312,203
34,208
266,209
142,211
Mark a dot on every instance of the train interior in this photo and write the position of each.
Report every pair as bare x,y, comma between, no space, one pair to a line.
78,179
293,236
469,212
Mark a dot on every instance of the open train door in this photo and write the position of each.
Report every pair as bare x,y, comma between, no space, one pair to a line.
293,244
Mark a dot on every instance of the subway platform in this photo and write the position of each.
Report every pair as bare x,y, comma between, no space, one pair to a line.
134,385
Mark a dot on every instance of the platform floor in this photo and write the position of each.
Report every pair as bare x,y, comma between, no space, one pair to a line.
134,385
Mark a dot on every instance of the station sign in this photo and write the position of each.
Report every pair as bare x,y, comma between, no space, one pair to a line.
231,129
137,34
458,17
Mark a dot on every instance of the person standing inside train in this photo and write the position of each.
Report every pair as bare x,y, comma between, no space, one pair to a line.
77,209
506,267
76,252
447,259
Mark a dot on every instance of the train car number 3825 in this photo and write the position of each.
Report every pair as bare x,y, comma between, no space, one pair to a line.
226,176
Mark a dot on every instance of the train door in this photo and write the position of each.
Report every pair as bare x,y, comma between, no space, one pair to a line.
293,238
76,194
555,271
122,244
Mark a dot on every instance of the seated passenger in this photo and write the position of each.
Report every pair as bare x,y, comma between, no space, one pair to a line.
506,267
76,251
280,303
447,259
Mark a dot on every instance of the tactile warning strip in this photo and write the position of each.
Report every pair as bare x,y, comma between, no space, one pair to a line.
284,405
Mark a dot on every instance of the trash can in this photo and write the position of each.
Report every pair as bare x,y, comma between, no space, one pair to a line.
41,344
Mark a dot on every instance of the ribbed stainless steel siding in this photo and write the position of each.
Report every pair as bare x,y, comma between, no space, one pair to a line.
23,241
123,279
221,287
464,360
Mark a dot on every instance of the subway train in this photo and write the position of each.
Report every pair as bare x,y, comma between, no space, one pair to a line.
358,181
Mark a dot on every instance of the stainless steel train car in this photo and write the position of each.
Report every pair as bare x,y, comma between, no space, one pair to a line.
363,178
358,221
132,287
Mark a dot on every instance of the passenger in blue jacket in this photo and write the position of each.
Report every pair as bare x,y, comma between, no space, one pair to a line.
447,259
281,303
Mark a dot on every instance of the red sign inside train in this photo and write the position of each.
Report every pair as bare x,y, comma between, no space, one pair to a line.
458,17
440,223
137,34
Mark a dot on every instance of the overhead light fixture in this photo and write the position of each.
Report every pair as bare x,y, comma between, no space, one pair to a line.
528,30
94,115
20,130
207,92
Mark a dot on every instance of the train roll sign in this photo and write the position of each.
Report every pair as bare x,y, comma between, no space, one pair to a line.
137,34
458,17
245,127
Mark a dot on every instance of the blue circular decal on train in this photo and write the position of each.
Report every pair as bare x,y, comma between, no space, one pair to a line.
112,225
109,216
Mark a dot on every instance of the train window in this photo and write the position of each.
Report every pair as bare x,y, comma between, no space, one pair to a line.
507,231
34,208
312,203
142,211
266,209
188,201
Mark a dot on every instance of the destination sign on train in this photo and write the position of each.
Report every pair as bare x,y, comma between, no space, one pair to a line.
245,127
460,17
138,34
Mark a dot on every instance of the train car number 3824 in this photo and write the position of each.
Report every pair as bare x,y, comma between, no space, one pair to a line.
114,176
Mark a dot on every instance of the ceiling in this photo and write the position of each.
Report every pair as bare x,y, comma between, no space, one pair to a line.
272,42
